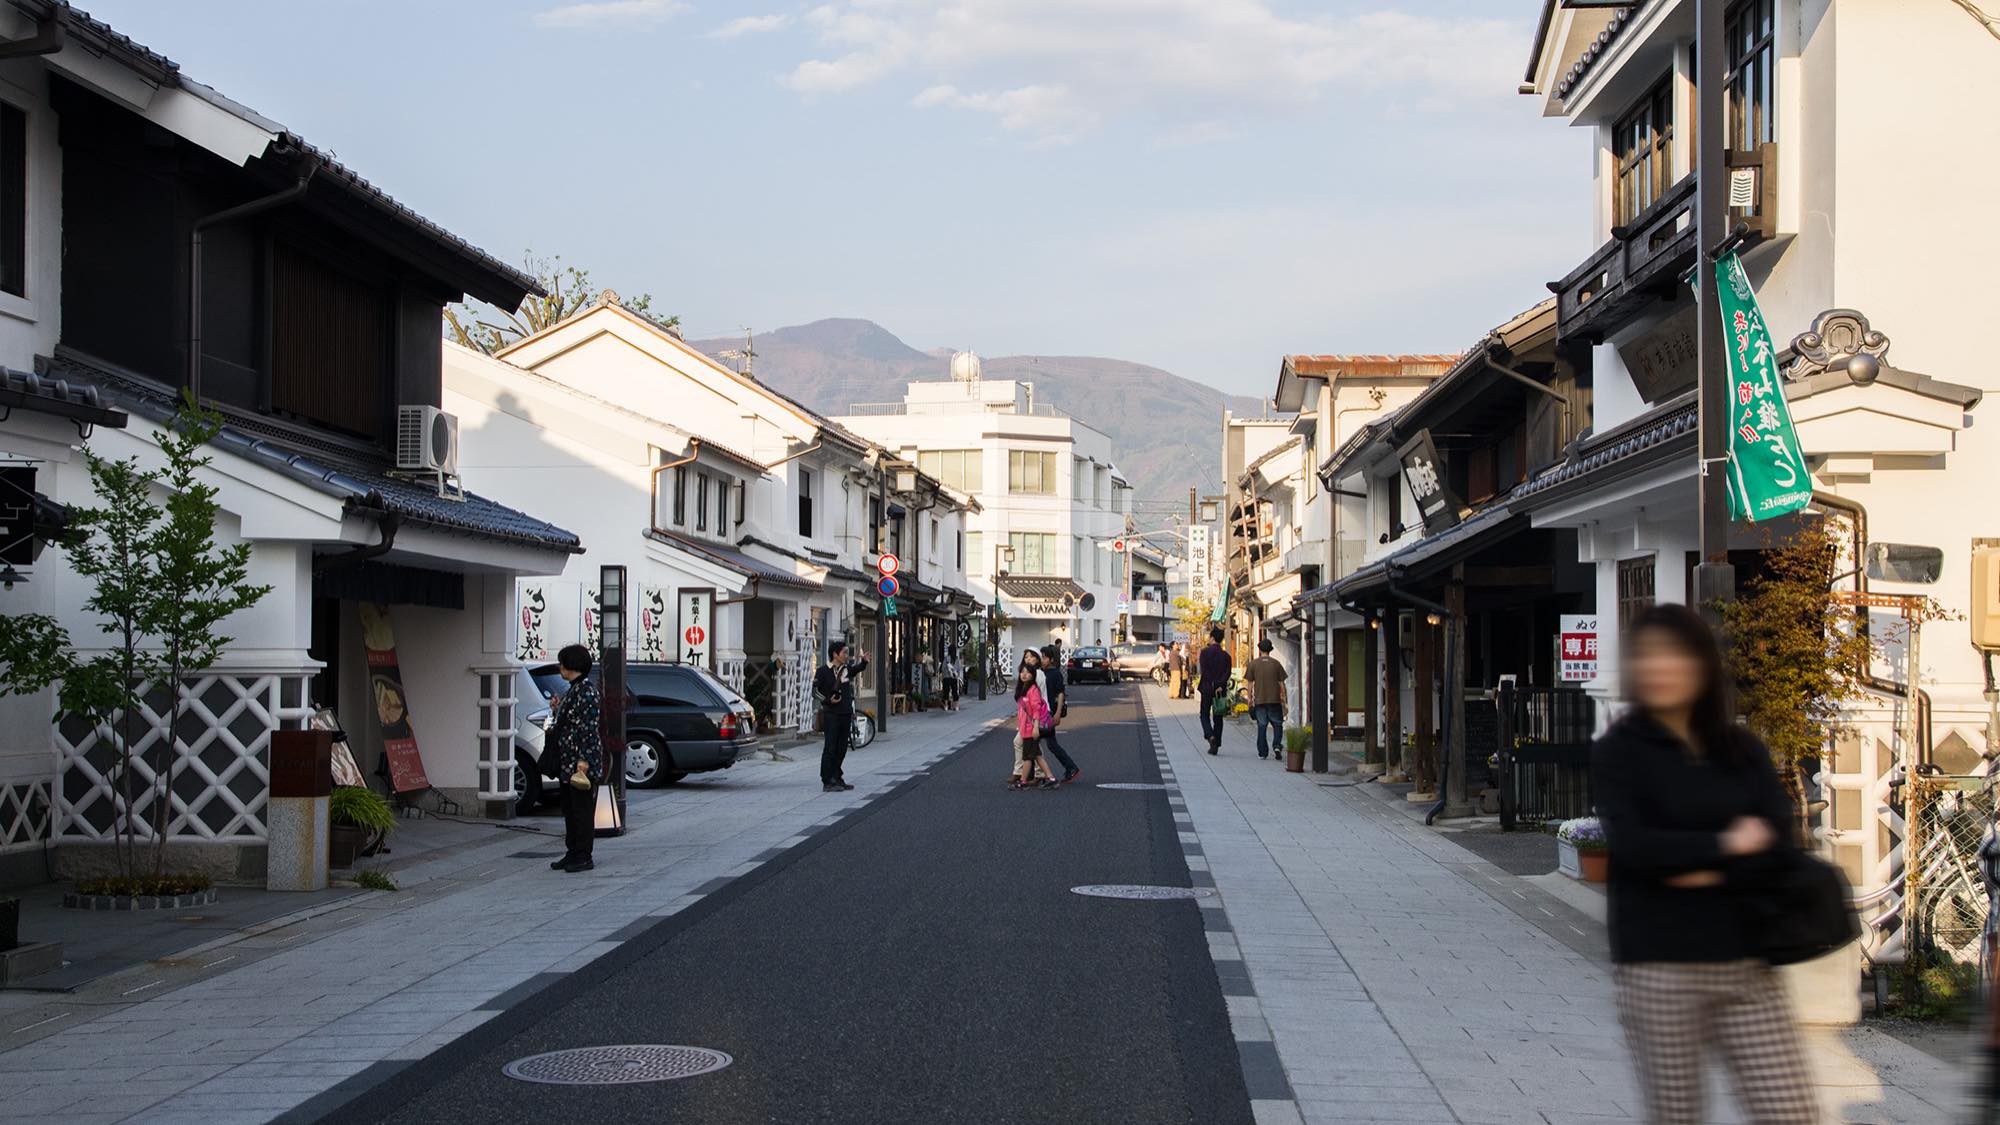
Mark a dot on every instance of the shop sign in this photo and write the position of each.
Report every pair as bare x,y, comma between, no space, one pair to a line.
1576,647
653,623
697,627
1423,471
1767,471
392,701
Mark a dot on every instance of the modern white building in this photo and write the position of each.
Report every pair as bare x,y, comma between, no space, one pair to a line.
1051,501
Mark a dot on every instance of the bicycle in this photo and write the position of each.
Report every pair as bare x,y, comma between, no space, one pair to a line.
862,732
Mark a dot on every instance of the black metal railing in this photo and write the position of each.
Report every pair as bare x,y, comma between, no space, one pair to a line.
1543,763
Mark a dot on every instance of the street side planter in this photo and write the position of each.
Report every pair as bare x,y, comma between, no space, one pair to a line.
141,892
1582,852
358,821
1297,739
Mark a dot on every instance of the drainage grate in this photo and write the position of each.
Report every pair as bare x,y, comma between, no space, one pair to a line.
1131,785
1142,891
616,1066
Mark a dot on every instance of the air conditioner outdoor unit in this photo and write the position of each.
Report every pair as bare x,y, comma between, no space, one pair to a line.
426,440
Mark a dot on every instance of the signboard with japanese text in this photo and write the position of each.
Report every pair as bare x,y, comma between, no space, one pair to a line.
1767,470
653,624
1423,472
392,701
1576,648
531,621
590,622
1198,564
697,627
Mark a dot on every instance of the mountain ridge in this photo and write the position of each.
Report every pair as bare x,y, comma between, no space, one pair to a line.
1165,428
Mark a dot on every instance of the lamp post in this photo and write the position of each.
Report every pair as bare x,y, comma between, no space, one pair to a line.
1319,706
1003,557
610,819
882,612
1715,579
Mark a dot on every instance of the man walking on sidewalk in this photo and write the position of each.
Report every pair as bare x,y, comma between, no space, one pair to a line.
1266,679
1214,665
833,685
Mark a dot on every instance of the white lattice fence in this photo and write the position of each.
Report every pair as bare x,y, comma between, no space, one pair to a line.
496,730
790,705
24,814
729,667
220,759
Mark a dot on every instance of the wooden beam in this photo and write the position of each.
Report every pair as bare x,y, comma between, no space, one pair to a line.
1535,574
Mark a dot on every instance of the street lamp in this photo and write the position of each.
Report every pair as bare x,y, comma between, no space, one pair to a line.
1319,709
610,817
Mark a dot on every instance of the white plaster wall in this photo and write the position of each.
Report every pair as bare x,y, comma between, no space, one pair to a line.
31,323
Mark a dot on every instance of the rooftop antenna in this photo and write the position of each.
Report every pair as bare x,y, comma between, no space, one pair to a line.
744,355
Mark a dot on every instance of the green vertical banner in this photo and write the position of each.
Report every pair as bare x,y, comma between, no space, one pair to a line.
1767,470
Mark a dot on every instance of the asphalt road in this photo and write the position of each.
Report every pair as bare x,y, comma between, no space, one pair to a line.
923,960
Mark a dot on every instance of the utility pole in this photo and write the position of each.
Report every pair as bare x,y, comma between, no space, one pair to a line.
1714,578
883,674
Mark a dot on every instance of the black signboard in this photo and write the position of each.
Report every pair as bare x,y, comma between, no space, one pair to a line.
1423,471
17,515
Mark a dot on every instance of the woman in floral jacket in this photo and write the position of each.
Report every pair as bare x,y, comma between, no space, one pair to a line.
574,737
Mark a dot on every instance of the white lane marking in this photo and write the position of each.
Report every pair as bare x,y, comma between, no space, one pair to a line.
142,988
38,1023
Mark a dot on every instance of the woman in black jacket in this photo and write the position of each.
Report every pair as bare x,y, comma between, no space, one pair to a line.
1689,800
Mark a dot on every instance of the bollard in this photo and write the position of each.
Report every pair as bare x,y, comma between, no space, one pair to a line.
301,781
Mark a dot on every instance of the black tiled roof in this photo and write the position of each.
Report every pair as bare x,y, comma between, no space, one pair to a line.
1664,425
362,486
735,560
1620,20
104,39
1039,589
83,402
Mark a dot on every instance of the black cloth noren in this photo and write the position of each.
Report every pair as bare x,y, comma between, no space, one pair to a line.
1664,810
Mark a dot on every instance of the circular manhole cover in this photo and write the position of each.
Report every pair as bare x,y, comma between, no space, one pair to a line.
1141,891
1131,785
613,1066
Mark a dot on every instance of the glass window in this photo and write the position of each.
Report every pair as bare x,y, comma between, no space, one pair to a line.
1749,77
1076,549
1080,479
721,505
1635,589
1034,552
957,468
961,550
701,502
1642,144
1030,470
808,482
680,495
13,200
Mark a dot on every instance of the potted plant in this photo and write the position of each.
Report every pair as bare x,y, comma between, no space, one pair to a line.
358,818
1296,741
1582,850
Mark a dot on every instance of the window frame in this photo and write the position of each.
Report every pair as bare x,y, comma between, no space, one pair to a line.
15,225
701,482
680,496
1017,472
1633,574
1642,170
808,500
1750,30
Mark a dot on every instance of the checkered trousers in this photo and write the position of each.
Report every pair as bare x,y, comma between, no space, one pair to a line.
1672,1012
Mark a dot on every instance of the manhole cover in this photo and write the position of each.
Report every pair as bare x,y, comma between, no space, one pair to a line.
1131,785
1141,891
614,1066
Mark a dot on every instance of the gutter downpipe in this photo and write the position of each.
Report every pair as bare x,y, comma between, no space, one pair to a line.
791,456
653,480
387,523
47,40
1446,697
1858,536
240,211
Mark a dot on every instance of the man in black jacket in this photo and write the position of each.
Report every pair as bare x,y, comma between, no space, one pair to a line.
833,686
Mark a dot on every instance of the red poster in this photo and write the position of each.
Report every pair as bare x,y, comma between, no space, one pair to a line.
392,703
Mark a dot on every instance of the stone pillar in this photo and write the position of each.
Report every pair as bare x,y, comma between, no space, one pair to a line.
1423,759
1452,753
301,781
1396,767
1372,755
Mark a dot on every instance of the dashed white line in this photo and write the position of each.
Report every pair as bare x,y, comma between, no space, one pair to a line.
142,988
38,1023
218,961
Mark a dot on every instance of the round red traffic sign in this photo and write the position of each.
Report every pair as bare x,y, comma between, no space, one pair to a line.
888,563
695,634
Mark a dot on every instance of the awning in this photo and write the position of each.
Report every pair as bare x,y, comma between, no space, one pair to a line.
735,560
1039,597
1433,553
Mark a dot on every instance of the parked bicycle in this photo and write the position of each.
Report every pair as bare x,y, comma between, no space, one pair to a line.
864,730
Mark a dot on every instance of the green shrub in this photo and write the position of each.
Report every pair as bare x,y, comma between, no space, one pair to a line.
1935,987
1297,739
361,807
140,885
375,881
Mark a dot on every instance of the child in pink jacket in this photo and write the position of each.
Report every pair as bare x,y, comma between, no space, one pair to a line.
1031,714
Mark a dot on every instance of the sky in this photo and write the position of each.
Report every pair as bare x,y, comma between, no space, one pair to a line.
1202,185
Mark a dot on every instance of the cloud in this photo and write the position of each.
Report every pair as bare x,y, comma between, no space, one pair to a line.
751,25
1049,69
610,13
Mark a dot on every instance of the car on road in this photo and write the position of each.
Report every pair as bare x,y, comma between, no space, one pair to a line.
1139,661
680,719
1092,662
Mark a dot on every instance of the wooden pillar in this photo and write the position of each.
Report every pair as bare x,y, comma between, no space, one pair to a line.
1454,685
1394,765
1372,758
1423,764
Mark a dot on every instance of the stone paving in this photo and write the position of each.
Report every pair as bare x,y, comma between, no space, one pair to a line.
247,1028
1394,976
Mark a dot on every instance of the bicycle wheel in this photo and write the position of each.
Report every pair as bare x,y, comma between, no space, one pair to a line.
864,730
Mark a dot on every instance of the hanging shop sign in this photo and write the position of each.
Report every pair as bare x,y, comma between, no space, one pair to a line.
1423,472
392,701
653,623
697,627
1767,471
1198,564
1576,647
531,639
590,621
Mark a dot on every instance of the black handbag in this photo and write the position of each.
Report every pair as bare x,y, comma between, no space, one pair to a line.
1800,907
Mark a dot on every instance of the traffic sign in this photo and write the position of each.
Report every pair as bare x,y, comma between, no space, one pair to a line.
888,563
888,585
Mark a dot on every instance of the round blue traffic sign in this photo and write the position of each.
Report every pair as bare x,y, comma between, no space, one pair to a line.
888,586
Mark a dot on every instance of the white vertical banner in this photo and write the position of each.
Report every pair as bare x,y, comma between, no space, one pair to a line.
654,626
531,620
1198,564
697,627
590,624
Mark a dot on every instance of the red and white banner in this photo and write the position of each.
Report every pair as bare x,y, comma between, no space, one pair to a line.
392,701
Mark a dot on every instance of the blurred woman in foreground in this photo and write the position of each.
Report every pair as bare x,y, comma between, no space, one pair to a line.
1688,800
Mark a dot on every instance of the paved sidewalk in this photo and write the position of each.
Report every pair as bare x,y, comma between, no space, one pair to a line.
246,1029
1398,977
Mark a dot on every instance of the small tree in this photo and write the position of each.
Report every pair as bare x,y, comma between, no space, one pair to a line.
1193,615
567,292
159,586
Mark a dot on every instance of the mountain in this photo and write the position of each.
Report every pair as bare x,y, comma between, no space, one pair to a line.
1166,430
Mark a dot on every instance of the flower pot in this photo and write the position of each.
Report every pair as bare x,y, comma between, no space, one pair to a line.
1295,761
343,844
1595,863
